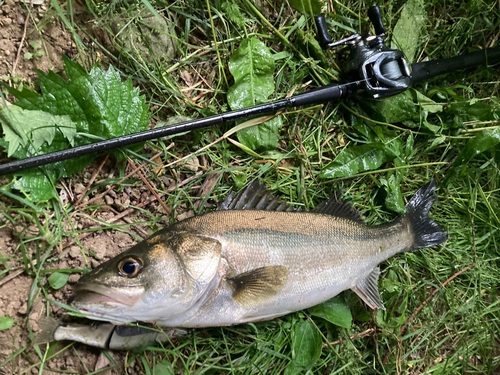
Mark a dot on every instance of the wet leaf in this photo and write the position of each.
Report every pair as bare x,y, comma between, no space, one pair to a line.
306,348
357,159
6,322
335,310
394,109
477,145
406,33
58,279
252,67
313,7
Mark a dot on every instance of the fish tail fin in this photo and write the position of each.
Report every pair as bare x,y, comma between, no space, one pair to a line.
48,326
427,232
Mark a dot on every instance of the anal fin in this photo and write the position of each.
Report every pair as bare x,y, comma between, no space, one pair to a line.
259,284
367,290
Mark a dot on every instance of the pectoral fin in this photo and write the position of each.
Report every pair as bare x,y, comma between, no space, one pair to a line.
367,290
258,285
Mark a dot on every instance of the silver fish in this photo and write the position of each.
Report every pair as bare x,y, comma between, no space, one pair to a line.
252,260
106,336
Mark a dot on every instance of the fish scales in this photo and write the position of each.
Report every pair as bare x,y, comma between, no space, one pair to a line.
320,251
242,264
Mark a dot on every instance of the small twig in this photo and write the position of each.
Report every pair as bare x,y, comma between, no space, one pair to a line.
403,328
150,187
12,276
131,209
94,175
21,44
368,332
99,196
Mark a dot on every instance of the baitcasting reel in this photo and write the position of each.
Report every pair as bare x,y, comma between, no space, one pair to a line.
383,70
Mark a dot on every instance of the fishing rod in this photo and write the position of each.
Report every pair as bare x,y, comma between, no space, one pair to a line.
373,70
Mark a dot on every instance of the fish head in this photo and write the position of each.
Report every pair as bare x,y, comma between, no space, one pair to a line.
161,277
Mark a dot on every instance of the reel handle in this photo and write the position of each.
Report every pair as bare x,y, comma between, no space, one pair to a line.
375,16
323,36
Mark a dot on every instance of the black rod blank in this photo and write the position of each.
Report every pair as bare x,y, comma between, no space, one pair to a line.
321,95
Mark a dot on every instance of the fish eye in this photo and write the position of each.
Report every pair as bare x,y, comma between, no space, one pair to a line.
130,267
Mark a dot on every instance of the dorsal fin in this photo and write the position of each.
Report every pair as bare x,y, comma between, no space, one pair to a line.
254,197
332,206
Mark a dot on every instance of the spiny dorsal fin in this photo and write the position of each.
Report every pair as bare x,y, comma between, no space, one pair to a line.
258,285
254,197
332,206
367,290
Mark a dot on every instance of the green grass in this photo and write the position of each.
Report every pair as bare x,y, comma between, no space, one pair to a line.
457,331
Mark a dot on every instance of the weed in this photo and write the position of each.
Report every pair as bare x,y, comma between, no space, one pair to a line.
455,331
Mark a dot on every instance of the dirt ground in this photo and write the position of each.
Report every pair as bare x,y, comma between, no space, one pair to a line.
19,36
15,288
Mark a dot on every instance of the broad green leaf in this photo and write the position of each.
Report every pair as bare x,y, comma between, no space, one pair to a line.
357,159
6,322
22,126
58,279
313,7
394,109
38,185
306,348
87,106
477,145
470,110
335,310
98,102
252,67
406,33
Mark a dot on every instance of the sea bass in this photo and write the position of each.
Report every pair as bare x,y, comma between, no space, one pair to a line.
253,259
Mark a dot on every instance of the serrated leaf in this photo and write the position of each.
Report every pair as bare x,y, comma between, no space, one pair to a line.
233,12
406,33
313,7
306,348
58,279
97,103
357,159
6,322
335,310
22,126
252,67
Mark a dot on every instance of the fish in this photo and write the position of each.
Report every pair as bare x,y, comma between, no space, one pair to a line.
105,335
255,258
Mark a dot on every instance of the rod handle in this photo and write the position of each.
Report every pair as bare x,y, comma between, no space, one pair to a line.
429,69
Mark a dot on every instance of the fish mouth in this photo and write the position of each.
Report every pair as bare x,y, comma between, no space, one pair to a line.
97,294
